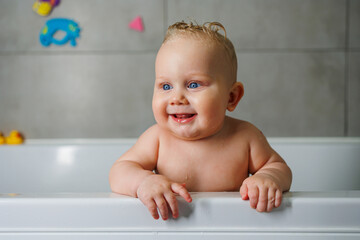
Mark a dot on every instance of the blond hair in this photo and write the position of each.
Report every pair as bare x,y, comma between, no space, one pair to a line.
208,31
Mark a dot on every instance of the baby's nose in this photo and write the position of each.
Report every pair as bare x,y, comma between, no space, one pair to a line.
179,99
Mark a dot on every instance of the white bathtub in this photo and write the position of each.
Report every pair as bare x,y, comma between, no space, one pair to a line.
59,190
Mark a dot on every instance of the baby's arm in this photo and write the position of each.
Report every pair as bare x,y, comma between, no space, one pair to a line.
132,174
271,175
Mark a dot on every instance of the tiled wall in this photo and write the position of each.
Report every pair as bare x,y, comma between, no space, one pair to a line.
299,62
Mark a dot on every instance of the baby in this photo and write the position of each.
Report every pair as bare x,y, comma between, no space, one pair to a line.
195,147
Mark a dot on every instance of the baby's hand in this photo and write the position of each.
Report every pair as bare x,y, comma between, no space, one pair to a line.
264,193
157,192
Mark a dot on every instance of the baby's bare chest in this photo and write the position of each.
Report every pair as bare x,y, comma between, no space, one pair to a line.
211,168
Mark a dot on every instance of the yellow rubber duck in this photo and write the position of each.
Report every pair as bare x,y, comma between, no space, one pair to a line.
14,138
2,138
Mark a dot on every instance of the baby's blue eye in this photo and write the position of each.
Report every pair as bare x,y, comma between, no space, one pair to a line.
166,87
194,85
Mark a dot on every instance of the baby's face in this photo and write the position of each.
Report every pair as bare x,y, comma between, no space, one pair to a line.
192,88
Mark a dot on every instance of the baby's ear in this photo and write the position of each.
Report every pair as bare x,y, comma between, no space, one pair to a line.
236,93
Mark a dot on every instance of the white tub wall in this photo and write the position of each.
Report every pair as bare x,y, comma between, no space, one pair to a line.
321,164
302,215
318,164
82,166
59,166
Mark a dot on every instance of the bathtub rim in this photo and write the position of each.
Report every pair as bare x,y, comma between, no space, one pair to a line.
103,205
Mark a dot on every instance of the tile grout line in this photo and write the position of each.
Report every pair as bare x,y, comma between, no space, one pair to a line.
346,70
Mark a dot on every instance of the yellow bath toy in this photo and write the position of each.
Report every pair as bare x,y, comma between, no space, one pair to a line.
42,8
2,138
14,138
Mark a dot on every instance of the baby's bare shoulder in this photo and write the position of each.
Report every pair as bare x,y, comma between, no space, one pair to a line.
151,134
146,147
246,132
241,127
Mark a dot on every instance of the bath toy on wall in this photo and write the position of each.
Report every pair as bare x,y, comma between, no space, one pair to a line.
2,138
70,27
53,3
44,7
137,24
15,137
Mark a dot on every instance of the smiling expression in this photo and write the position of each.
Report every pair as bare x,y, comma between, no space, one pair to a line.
192,87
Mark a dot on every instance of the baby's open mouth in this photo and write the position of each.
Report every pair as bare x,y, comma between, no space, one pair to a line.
183,117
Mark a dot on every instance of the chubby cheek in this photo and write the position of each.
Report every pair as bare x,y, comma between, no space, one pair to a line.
159,110
211,111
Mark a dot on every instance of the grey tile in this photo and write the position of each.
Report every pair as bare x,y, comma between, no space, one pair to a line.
270,23
354,94
293,94
104,25
84,96
354,23
19,25
65,92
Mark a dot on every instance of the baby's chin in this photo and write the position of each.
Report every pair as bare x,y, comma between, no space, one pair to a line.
190,132
191,135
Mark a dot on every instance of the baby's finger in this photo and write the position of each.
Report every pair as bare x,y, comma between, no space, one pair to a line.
151,206
263,200
163,207
271,199
278,198
173,204
181,190
244,192
253,193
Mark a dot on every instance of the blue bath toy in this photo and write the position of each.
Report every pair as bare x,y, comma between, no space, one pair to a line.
70,27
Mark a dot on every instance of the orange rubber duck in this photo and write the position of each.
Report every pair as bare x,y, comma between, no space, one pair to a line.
14,138
2,138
